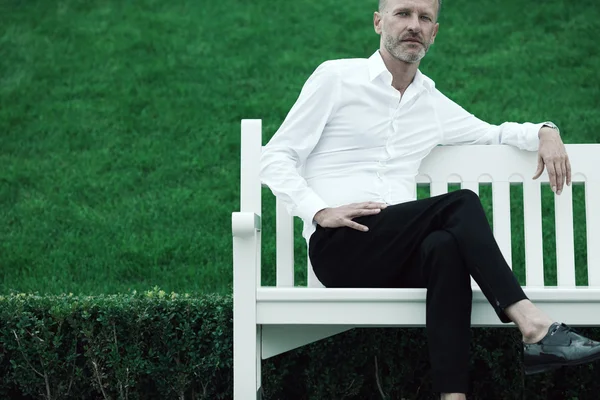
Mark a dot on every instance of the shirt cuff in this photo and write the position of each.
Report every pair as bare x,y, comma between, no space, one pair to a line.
531,138
309,206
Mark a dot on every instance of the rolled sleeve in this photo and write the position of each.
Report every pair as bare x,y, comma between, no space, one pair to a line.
524,136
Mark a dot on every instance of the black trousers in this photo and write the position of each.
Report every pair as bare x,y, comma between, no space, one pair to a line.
436,243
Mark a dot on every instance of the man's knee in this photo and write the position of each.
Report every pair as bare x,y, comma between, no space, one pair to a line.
467,194
467,198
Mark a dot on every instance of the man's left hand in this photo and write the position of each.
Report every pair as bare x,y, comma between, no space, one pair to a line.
553,155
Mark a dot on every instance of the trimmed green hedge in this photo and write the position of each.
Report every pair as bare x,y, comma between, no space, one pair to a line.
137,346
155,345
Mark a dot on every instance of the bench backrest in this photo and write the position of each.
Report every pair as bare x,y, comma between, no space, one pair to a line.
469,166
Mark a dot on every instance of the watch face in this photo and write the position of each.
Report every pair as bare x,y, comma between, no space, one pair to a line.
551,125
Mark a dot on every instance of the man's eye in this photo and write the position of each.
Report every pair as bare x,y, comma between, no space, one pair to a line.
402,14
425,18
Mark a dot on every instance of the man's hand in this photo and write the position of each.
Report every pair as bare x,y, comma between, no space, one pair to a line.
342,216
553,155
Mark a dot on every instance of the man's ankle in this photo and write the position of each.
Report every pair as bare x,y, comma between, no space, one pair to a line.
535,333
453,396
532,322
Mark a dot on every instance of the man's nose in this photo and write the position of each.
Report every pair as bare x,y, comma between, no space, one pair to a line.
414,25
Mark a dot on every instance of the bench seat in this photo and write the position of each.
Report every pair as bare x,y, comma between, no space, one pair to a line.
405,307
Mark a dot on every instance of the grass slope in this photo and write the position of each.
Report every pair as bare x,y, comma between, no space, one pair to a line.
119,121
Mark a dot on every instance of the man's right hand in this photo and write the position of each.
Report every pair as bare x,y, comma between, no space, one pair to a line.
342,216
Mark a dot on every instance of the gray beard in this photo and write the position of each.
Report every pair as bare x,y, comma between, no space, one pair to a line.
393,46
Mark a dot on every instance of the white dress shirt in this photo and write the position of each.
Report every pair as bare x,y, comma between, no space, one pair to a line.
351,137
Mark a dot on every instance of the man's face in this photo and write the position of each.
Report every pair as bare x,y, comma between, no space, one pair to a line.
407,28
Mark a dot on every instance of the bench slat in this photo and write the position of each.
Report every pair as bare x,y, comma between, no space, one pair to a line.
250,186
473,186
285,245
592,211
501,217
534,258
565,247
438,188
251,149
470,185
312,280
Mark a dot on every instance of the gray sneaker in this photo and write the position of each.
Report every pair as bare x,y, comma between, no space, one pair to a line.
561,346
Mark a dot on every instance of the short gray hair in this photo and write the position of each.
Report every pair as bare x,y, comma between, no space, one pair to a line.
383,3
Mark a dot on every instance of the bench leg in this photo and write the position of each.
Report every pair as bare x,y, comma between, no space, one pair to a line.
247,364
258,358
246,332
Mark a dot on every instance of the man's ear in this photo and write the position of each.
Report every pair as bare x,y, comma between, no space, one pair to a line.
377,22
435,32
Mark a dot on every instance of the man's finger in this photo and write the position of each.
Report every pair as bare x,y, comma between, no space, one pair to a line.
355,225
551,175
560,176
371,205
362,212
568,165
540,168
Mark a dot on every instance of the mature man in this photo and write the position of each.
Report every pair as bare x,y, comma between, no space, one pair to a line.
345,161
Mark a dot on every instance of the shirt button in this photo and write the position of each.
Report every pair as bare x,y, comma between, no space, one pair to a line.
382,163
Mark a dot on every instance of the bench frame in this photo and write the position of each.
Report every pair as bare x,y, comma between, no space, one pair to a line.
272,320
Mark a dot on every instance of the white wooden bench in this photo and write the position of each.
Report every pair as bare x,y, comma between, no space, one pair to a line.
271,320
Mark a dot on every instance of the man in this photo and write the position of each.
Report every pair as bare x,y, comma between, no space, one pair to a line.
345,161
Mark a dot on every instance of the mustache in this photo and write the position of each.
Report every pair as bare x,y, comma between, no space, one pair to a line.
412,37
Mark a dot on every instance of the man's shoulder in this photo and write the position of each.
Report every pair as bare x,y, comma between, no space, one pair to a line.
345,67
344,64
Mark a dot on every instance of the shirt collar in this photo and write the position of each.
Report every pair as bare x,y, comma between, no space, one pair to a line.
377,68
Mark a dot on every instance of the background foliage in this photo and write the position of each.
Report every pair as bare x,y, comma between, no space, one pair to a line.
119,121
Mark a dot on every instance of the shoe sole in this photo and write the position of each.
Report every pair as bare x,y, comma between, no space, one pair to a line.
537,369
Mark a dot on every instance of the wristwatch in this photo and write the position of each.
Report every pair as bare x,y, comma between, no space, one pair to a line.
551,125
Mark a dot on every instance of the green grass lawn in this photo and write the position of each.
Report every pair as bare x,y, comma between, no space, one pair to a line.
119,121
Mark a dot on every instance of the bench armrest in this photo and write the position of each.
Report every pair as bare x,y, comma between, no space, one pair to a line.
245,224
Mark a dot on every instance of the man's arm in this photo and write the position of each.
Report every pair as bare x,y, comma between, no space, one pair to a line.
295,140
460,127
